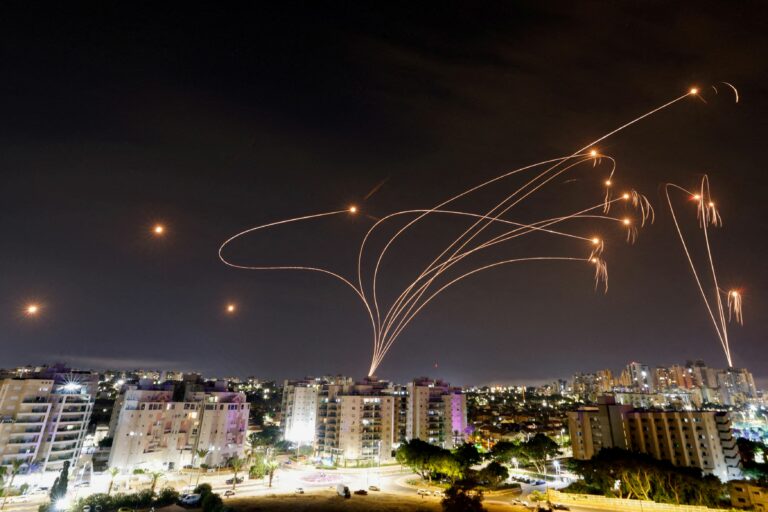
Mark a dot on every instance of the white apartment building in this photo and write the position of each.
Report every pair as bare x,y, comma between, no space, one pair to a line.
699,439
436,413
300,411
44,416
153,430
356,423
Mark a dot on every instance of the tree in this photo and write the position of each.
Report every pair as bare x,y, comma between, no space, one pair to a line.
494,473
267,437
459,500
16,466
536,451
201,456
504,451
418,455
59,487
236,463
446,464
154,476
113,472
467,455
270,466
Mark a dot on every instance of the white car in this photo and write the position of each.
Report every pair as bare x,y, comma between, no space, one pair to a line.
190,499
423,492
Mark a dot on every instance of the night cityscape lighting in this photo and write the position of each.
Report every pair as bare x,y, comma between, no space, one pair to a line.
383,257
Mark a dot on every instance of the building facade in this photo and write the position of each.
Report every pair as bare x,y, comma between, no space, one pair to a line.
699,439
163,426
44,416
437,413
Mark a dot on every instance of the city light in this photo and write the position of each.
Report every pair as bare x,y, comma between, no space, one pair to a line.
231,308
353,209
32,309
693,90
158,229
593,153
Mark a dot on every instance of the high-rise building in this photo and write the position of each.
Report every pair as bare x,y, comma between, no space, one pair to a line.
640,378
44,416
164,425
299,410
356,423
699,439
437,413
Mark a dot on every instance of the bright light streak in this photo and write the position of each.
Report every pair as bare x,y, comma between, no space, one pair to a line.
389,321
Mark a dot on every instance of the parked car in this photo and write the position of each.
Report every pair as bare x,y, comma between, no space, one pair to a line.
87,508
423,492
438,493
361,492
559,506
232,481
299,490
190,500
373,488
228,493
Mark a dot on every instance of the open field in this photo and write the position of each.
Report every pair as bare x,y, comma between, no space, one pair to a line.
328,501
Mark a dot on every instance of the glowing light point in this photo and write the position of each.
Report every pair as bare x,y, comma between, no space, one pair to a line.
734,293
32,309
625,195
158,229
711,204
595,241
626,222
593,153
593,260
693,90
231,308
353,209
608,183
696,197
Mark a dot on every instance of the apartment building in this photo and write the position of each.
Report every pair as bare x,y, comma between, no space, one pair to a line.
299,408
44,416
164,425
699,439
356,423
437,413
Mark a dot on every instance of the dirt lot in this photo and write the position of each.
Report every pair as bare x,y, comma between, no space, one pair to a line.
328,501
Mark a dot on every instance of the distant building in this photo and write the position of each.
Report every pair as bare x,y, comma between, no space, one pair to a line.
44,416
699,439
163,425
640,378
437,413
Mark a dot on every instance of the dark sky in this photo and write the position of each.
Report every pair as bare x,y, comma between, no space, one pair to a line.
212,119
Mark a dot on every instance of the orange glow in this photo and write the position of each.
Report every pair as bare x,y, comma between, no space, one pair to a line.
626,222
353,209
625,195
711,204
694,90
607,183
593,152
595,240
158,229
231,308
32,309
696,197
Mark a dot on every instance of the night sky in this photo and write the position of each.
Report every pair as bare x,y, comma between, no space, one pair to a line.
212,119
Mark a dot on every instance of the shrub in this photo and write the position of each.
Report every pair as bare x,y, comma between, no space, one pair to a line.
166,496
203,490
212,503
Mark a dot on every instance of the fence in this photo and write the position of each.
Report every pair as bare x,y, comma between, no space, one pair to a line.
622,505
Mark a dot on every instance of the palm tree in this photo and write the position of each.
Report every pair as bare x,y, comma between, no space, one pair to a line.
113,472
154,477
201,455
16,467
236,463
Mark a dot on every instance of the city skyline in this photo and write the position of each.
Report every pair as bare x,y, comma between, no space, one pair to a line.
125,168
